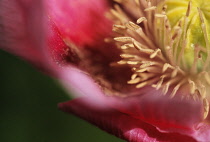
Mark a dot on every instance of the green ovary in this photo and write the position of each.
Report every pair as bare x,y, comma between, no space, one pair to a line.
176,11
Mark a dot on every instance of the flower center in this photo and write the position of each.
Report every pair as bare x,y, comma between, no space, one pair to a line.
166,43
193,18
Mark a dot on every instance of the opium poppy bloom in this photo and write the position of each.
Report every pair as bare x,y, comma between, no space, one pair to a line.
147,80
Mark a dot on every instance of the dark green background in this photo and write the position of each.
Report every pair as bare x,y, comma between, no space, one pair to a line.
28,108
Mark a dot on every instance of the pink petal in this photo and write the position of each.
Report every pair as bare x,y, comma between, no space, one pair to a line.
22,28
27,29
202,133
59,52
80,21
80,83
168,115
119,124
174,114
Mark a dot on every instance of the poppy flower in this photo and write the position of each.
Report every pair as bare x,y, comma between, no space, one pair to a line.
147,80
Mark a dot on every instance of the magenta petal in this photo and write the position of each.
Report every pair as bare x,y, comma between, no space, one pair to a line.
22,28
26,31
80,21
119,124
168,114
59,52
150,105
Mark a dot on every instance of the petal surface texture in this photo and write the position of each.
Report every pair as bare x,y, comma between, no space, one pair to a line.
22,28
120,124
81,21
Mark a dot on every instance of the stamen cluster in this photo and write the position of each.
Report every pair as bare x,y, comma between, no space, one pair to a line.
158,52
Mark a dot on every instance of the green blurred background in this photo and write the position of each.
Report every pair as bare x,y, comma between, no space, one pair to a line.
28,108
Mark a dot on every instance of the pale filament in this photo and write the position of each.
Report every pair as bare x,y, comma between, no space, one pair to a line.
155,50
